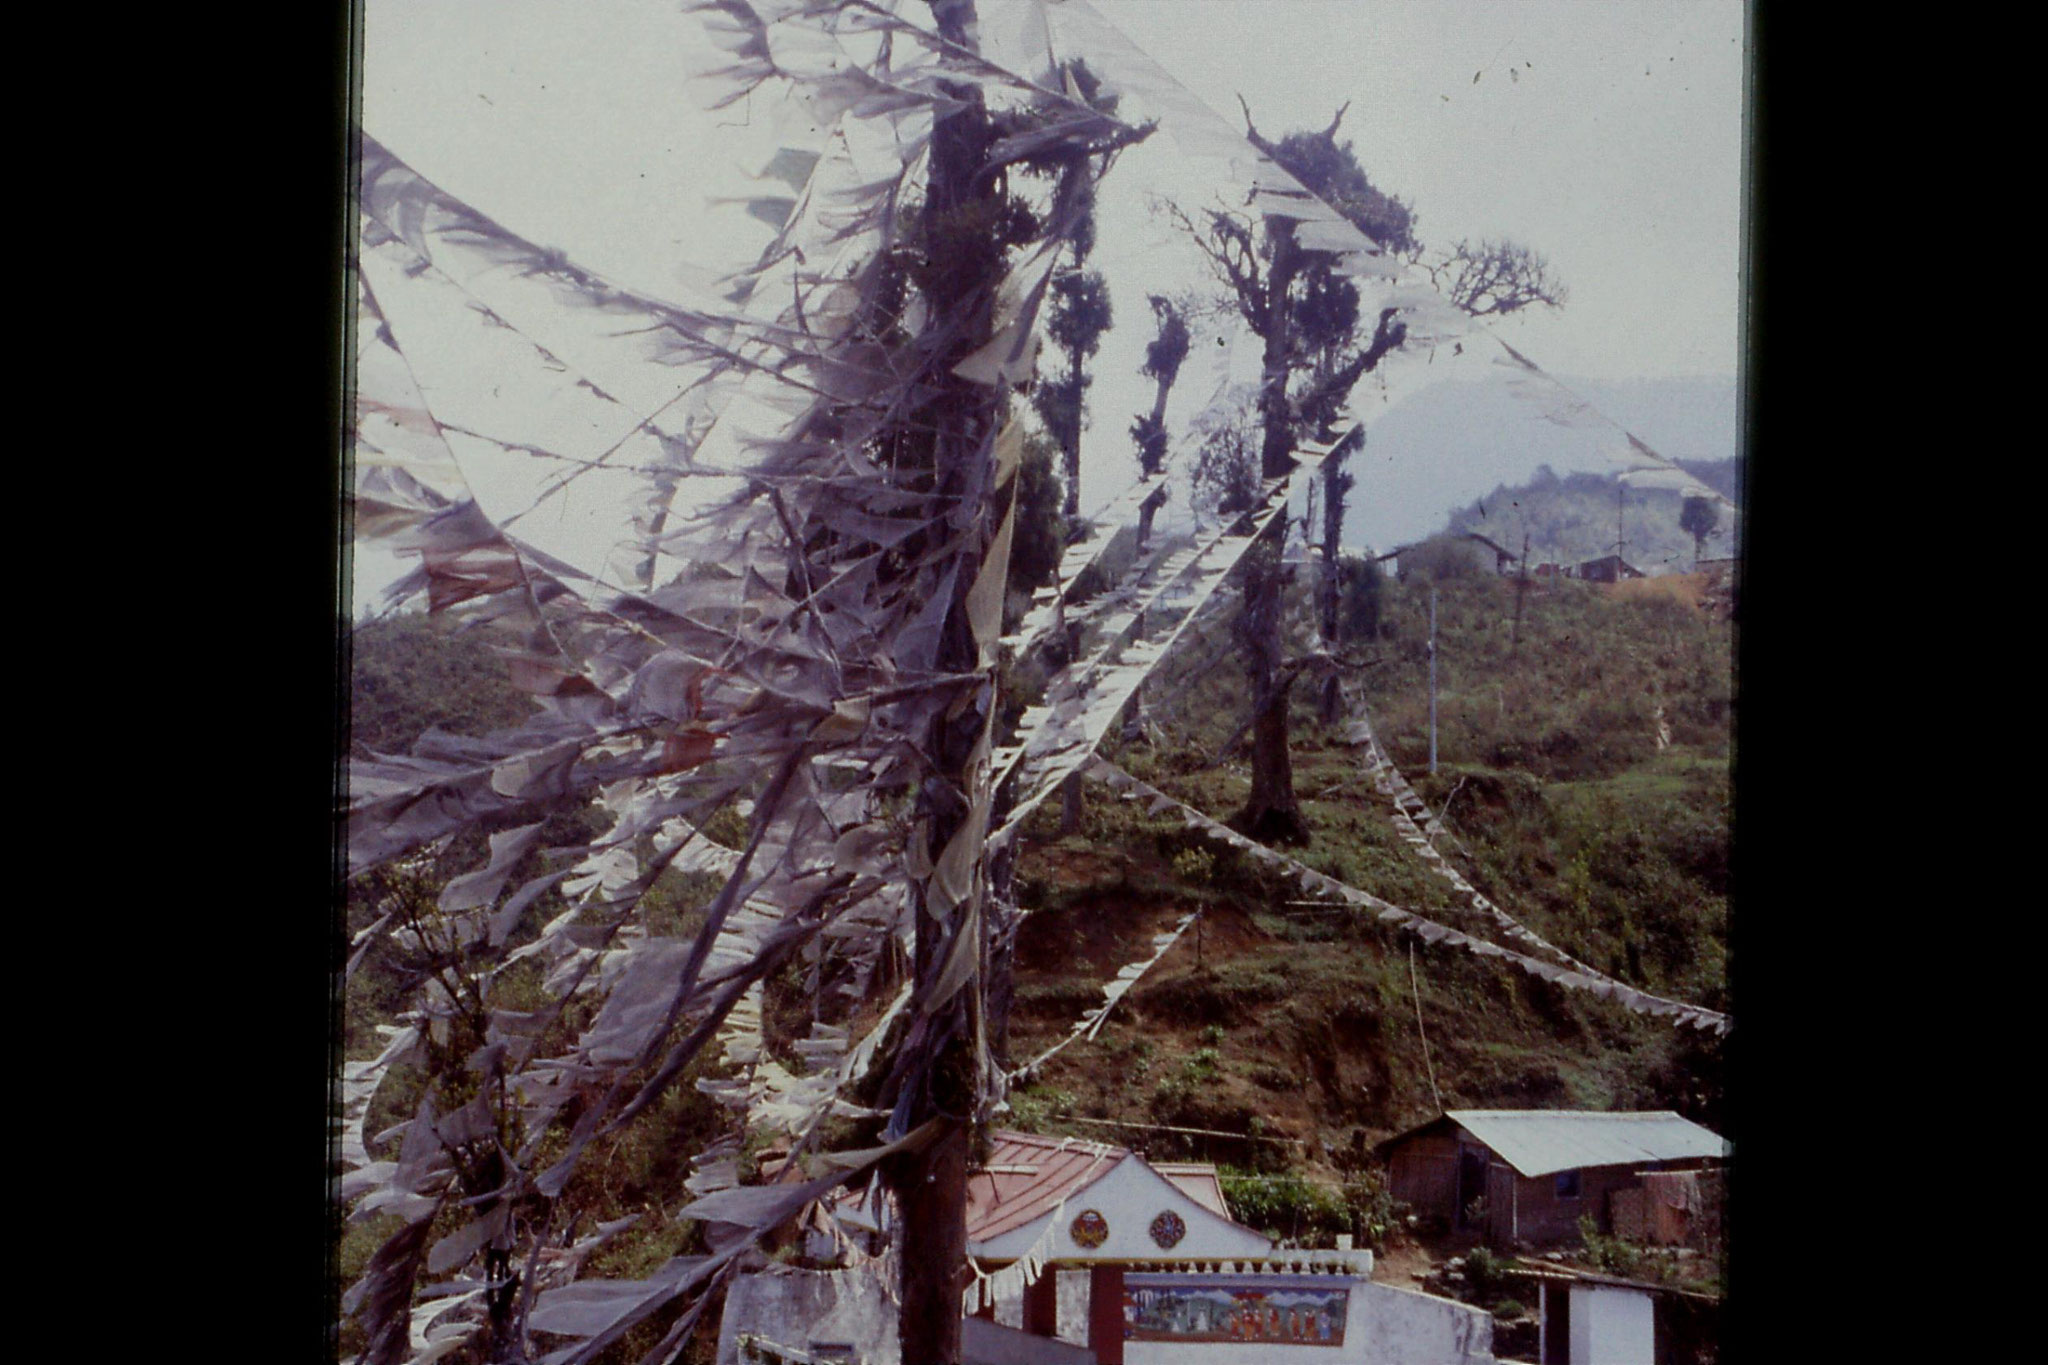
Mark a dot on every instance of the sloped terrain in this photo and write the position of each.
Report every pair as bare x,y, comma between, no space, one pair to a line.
1315,1029
1584,758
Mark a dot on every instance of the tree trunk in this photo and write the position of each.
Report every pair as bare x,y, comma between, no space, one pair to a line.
931,1186
1330,596
1271,814
933,1209
1070,444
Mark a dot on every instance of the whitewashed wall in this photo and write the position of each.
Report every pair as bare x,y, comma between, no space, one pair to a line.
1129,1197
1382,1325
802,1307
1612,1326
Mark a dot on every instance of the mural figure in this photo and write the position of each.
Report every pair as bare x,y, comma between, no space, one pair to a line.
1191,1309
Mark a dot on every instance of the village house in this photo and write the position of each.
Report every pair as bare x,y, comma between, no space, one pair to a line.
1086,1252
1481,553
1527,1176
1607,569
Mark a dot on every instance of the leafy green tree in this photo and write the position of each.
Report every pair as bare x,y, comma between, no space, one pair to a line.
1360,597
1699,518
1078,315
1164,355
1035,543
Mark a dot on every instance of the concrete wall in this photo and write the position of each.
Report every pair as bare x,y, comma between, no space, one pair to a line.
1402,1327
984,1343
810,1308
801,1308
1612,1326
1383,1325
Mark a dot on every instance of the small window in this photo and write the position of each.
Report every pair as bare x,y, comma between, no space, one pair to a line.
1568,1184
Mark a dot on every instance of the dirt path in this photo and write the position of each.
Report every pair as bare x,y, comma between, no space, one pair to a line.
1403,1264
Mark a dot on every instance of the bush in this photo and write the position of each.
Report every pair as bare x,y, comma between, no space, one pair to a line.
1287,1205
1615,1255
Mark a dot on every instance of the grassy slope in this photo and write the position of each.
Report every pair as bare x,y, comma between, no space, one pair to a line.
1305,1024
1296,1024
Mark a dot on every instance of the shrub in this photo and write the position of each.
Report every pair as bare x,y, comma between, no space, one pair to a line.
1285,1205
1615,1255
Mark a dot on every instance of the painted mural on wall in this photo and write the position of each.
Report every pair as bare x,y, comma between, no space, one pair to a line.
1282,1310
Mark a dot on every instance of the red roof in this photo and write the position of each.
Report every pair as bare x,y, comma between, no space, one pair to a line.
1026,1175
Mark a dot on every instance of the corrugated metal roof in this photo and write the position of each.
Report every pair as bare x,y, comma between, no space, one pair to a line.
1027,1174
1198,1181
1543,1141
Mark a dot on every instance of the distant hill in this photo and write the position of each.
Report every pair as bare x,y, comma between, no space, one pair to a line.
1456,442
1576,517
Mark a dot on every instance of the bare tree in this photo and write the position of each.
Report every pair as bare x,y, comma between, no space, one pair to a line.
1307,316
1316,348
1492,278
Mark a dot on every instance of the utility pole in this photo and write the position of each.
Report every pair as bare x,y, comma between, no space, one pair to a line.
1432,680
1521,591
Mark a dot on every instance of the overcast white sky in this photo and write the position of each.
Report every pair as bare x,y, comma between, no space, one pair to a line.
1608,136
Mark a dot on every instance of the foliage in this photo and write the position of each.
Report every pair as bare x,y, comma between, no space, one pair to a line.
1035,544
1615,1255
1359,581
1226,473
1307,313
1164,355
1195,866
1078,311
1285,1206
1445,557
414,672
1307,1212
1483,1272
1699,518
1331,169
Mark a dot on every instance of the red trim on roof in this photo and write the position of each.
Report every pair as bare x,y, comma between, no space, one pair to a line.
1043,1171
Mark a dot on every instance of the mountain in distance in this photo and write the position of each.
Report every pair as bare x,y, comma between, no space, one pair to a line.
1455,442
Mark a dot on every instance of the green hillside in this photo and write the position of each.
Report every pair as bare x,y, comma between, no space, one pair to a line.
1308,1025
1307,1031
